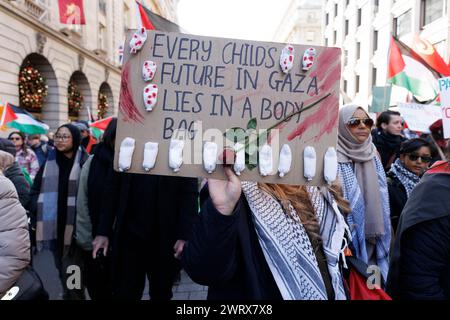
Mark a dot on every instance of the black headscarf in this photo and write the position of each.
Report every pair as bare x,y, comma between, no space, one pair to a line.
76,140
65,167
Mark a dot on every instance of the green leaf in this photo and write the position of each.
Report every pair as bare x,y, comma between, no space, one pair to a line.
235,134
251,123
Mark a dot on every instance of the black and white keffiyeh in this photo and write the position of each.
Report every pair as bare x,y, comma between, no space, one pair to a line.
408,179
287,248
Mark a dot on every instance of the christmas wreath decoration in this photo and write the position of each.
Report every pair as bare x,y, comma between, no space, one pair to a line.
103,105
75,99
32,89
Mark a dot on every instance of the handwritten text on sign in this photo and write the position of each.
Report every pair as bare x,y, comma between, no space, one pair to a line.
213,83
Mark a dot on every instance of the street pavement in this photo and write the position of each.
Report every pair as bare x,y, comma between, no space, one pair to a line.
184,289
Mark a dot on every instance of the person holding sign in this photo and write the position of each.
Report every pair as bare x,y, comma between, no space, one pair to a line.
262,241
415,157
364,183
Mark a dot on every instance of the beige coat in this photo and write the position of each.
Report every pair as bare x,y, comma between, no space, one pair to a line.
14,236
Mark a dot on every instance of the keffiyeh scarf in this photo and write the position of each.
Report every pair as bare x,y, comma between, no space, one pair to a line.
408,179
356,218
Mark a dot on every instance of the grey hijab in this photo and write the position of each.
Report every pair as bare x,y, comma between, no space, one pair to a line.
361,155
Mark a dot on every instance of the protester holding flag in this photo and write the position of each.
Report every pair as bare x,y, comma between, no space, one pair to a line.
388,137
26,157
52,202
405,173
420,264
364,182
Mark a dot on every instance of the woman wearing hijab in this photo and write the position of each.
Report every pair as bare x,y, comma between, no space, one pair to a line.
267,241
364,185
415,157
53,198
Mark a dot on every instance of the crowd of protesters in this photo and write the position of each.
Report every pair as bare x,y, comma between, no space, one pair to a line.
389,208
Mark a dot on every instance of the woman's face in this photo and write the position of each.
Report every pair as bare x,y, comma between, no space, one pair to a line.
417,161
360,125
63,140
17,140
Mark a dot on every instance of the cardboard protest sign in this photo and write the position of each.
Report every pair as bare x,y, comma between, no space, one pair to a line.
444,88
419,117
231,94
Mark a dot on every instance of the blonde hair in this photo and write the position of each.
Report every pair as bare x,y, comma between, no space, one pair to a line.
298,197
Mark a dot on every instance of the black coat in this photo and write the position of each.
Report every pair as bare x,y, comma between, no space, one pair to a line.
224,253
15,174
158,210
420,262
397,198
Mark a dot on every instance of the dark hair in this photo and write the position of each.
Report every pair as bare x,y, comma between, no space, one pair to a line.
22,136
412,145
109,136
385,117
8,146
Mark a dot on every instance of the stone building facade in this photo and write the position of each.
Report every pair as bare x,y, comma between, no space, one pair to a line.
87,55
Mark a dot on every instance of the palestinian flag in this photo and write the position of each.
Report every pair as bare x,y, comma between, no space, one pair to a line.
25,122
406,69
98,127
7,115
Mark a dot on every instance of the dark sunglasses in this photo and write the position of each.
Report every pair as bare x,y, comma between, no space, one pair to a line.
415,157
355,122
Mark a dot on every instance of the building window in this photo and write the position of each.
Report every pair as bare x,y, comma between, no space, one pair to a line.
374,76
335,37
358,50
311,17
345,86
310,36
375,40
376,4
357,84
346,26
431,10
326,42
102,6
345,57
101,36
335,9
326,19
359,16
402,24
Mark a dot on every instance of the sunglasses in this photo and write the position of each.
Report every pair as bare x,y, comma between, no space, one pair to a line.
355,122
415,157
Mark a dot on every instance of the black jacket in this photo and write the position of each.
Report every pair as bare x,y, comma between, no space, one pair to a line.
15,174
397,198
420,261
224,253
158,210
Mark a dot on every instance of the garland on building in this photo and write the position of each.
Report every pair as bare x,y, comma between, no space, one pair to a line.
75,99
103,105
32,89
